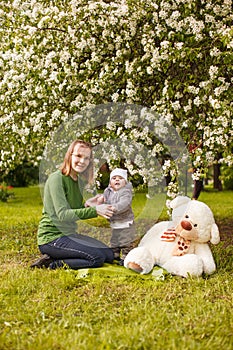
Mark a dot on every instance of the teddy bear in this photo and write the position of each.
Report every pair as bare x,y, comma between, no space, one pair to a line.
180,246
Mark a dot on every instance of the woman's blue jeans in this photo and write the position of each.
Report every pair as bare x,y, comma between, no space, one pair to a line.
77,251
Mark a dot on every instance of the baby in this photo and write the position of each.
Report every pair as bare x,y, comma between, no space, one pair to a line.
119,195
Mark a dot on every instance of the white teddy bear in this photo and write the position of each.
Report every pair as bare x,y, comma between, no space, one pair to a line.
179,246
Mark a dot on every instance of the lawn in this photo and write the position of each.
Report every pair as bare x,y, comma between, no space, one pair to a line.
110,308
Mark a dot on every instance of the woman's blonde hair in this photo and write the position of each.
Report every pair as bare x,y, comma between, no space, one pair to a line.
66,165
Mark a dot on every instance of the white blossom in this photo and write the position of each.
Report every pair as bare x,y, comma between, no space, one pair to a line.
176,105
213,71
214,102
197,101
57,60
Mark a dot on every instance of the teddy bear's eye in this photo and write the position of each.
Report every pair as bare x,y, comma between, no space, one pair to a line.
195,225
186,216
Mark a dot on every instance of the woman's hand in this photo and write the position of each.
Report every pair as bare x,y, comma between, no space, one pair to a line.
100,199
105,210
92,202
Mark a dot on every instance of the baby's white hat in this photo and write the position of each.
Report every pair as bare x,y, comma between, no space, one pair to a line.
119,172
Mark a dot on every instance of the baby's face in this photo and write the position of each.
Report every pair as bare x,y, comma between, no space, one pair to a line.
117,182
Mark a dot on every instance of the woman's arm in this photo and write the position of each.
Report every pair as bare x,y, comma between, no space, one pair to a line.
58,207
93,201
56,203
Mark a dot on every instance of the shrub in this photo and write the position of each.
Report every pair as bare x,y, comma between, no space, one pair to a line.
227,177
5,192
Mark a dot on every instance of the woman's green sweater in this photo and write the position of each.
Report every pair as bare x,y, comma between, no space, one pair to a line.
63,206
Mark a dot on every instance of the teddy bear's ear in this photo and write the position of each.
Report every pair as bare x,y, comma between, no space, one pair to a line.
178,201
215,237
178,206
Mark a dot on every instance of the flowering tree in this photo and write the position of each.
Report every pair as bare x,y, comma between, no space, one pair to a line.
58,57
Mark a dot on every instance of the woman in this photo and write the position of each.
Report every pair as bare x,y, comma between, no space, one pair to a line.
58,240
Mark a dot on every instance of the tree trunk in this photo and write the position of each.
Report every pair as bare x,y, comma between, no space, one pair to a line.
217,181
198,187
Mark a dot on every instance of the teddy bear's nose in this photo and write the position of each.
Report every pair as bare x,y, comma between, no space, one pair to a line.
186,225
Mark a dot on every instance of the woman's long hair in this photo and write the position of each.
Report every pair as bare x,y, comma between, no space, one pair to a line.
66,165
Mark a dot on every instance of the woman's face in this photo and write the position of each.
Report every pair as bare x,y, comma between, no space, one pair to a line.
80,158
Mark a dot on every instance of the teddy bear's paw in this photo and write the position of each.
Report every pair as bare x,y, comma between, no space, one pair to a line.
135,267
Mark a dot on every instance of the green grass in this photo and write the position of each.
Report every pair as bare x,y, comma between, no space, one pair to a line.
65,309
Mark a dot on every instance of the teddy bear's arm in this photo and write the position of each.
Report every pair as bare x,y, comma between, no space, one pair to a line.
203,251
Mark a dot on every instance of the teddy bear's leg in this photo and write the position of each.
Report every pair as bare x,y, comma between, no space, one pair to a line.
140,260
189,264
135,267
205,254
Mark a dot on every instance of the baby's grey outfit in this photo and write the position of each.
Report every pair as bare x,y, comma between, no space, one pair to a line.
122,222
